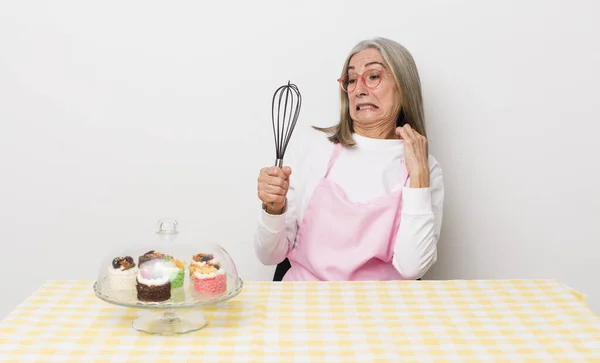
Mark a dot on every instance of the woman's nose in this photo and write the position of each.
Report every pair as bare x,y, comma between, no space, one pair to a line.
361,88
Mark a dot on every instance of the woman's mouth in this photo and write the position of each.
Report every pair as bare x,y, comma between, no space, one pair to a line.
366,106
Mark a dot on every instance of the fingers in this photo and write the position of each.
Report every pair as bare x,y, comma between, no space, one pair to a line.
410,135
273,180
410,132
404,134
275,171
400,132
279,180
273,185
268,198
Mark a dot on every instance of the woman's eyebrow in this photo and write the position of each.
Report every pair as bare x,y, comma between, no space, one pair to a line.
368,64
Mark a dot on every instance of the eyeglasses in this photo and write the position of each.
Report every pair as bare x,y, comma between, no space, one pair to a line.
371,78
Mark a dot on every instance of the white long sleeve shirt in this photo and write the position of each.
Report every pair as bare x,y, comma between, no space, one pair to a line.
366,171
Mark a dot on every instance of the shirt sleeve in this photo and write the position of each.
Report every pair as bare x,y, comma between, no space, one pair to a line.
275,234
416,243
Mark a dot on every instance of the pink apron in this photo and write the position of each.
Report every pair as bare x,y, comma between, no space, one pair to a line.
339,240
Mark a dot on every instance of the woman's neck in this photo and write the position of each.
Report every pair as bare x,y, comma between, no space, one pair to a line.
376,131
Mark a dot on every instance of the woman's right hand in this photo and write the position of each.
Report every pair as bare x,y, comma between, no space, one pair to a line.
273,185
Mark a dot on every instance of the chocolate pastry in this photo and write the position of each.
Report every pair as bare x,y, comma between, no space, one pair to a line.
153,293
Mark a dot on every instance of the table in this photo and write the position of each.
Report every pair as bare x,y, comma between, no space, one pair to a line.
402,321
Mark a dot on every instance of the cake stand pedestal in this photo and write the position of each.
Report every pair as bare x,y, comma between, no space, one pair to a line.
169,322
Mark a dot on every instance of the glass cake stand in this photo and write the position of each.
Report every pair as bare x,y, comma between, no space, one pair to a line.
175,276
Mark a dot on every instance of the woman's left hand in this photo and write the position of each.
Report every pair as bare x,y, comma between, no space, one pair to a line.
415,155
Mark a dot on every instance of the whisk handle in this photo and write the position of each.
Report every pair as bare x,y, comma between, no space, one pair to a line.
279,164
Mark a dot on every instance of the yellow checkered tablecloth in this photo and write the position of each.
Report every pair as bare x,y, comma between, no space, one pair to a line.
420,321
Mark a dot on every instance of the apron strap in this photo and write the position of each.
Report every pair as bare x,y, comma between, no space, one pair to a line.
337,149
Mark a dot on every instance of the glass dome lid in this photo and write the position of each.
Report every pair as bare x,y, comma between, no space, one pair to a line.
168,272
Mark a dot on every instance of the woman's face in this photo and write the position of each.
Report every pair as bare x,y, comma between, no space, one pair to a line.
377,106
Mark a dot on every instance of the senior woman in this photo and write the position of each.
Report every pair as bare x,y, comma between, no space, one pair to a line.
365,201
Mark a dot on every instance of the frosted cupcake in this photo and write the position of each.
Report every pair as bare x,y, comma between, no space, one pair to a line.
121,274
153,283
207,275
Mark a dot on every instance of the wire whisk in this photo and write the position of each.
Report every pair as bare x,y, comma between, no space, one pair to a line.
284,118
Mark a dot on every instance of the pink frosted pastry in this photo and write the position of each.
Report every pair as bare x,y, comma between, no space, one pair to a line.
207,275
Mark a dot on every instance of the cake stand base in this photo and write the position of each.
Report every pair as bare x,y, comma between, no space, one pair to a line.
170,323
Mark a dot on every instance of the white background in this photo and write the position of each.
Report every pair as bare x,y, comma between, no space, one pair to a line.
115,114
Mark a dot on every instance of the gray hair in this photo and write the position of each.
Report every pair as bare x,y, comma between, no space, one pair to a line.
402,66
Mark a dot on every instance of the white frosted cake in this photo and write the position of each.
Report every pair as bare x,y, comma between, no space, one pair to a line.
121,274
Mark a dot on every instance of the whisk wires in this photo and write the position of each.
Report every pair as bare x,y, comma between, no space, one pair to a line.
284,118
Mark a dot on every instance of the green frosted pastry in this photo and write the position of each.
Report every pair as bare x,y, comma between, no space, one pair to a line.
178,280
176,271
